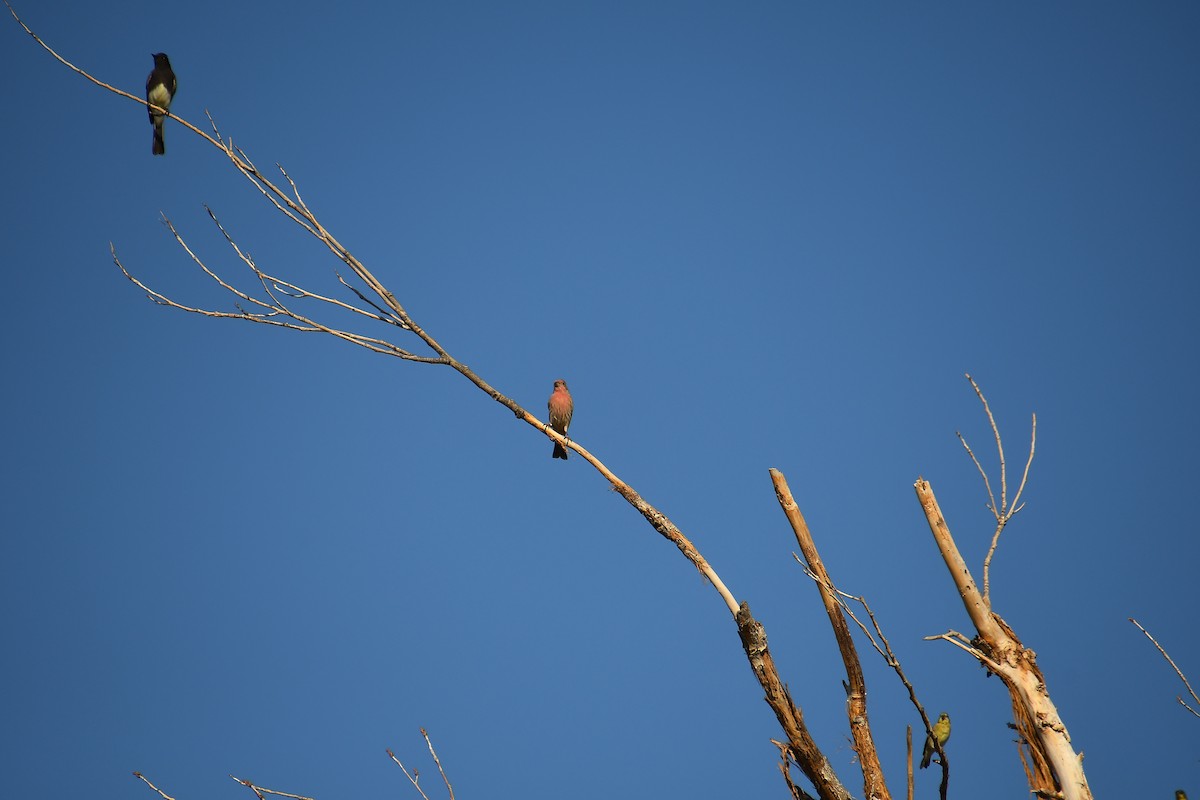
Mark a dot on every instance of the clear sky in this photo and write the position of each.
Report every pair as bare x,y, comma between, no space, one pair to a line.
747,235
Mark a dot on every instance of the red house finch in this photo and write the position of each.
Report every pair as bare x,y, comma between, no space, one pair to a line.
561,407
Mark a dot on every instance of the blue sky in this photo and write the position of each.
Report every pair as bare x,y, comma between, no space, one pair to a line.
747,236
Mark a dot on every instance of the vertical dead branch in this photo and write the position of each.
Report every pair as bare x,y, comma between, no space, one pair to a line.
874,785
908,760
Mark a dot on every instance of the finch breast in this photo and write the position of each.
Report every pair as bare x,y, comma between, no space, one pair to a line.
560,407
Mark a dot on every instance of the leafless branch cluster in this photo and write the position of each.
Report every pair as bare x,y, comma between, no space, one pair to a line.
279,305
1004,511
1053,767
415,776
260,792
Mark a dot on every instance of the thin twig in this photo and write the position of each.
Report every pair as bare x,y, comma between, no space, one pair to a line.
438,761
146,781
885,649
1002,512
1017,504
413,778
963,643
262,790
785,767
982,472
1175,667
999,444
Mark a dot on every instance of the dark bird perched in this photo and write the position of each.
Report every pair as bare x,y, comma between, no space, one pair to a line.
160,90
561,408
941,729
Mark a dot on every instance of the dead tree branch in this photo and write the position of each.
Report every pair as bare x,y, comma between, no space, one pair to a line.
279,305
277,311
1057,771
415,776
1175,667
874,784
261,791
146,781
1003,512
880,642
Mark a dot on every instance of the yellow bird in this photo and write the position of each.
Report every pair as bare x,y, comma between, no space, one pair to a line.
941,729
1180,794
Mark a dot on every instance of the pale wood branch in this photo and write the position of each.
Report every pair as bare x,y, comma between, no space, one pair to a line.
146,781
414,777
874,783
438,761
1055,766
262,791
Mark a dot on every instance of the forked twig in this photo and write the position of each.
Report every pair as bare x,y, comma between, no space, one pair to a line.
280,304
414,777
1004,511
262,791
273,312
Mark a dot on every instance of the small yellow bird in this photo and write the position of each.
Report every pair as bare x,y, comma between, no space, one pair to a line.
941,729
1180,794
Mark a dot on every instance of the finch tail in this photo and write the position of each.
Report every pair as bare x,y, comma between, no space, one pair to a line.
559,452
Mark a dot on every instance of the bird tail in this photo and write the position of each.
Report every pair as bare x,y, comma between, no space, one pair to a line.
159,147
559,452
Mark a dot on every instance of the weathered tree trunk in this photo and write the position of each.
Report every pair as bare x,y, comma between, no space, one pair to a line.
1052,766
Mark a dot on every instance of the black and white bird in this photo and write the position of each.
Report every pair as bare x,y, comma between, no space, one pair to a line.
160,90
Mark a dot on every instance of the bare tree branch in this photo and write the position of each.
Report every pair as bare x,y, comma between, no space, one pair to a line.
908,749
1178,671
262,791
298,211
438,761
884,648
146,781
874,783
414,777
785,767
1003,512
283,303
1056,768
